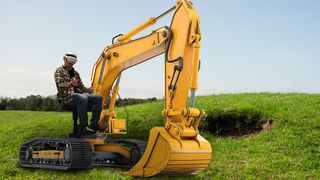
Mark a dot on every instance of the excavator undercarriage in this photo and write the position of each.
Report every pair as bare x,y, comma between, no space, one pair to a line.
80,153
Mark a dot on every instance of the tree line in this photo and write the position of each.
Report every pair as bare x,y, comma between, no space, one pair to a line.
50,103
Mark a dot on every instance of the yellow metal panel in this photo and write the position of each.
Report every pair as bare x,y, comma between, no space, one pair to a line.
119,123
113,148
49,154
94,141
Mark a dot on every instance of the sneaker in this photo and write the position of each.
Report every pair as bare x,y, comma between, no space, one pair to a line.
95,127
90,129
86,130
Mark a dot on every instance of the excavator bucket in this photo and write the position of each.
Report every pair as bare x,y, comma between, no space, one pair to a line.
166,155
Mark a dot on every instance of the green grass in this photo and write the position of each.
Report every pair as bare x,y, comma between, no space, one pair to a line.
291,149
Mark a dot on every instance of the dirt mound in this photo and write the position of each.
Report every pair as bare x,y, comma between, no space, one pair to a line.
237,123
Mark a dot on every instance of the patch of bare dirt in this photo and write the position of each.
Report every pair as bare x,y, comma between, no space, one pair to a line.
237,123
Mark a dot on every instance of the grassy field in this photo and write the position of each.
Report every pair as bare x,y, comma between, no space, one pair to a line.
290,150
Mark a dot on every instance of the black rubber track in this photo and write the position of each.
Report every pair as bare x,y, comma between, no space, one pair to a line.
80,154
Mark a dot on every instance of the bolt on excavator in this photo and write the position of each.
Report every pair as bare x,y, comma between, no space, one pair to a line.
175,149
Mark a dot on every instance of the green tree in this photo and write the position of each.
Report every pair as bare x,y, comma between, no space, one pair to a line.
33,102
3,102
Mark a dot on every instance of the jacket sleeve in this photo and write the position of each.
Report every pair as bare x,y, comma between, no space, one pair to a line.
60,83
65,90
80,84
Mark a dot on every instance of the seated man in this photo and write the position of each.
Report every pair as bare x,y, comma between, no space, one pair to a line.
72,92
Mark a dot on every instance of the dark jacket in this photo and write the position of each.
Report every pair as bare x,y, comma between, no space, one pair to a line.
65,90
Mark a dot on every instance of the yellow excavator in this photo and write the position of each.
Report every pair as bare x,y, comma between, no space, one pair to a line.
175,149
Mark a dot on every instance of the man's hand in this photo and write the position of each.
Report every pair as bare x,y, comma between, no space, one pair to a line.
90,90
74,82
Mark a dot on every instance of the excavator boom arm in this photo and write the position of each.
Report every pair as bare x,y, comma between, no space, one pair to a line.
116,58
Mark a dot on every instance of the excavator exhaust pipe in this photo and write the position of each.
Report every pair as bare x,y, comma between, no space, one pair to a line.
166,155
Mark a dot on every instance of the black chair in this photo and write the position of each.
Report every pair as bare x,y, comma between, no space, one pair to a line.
75,117
69,108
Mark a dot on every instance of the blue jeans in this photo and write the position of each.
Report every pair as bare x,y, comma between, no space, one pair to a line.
85,102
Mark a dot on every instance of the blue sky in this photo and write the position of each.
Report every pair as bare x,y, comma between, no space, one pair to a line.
247,46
